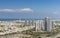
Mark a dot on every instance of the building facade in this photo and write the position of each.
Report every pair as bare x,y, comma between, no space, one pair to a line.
47,24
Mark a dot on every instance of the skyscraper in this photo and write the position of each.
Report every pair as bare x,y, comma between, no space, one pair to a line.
47,24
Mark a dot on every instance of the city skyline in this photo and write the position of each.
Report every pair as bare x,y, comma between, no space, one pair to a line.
29,9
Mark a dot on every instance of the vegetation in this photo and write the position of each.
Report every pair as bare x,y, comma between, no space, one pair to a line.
1,30
33,34
38,34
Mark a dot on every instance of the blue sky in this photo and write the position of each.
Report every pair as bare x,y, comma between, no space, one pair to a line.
29,9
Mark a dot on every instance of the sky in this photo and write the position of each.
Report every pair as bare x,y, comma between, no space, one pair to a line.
29,9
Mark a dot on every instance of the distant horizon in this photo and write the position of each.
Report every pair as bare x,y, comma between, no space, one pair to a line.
28,18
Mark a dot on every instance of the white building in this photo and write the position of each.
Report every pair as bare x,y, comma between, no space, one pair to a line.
47,24
39,26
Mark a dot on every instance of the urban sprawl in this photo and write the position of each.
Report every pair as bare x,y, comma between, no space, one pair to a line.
27,28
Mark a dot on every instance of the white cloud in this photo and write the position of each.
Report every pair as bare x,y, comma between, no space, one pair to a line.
26,10
17,10
7,10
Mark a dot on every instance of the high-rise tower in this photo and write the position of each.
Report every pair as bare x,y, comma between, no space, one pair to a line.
47,24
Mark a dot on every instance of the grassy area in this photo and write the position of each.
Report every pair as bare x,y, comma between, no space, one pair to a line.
33,34
38,34
51,33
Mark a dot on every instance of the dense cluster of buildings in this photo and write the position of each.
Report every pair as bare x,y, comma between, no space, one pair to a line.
45,24
49,24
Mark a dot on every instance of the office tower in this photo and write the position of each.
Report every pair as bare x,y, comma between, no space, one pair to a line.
42,25
48,24
38,25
